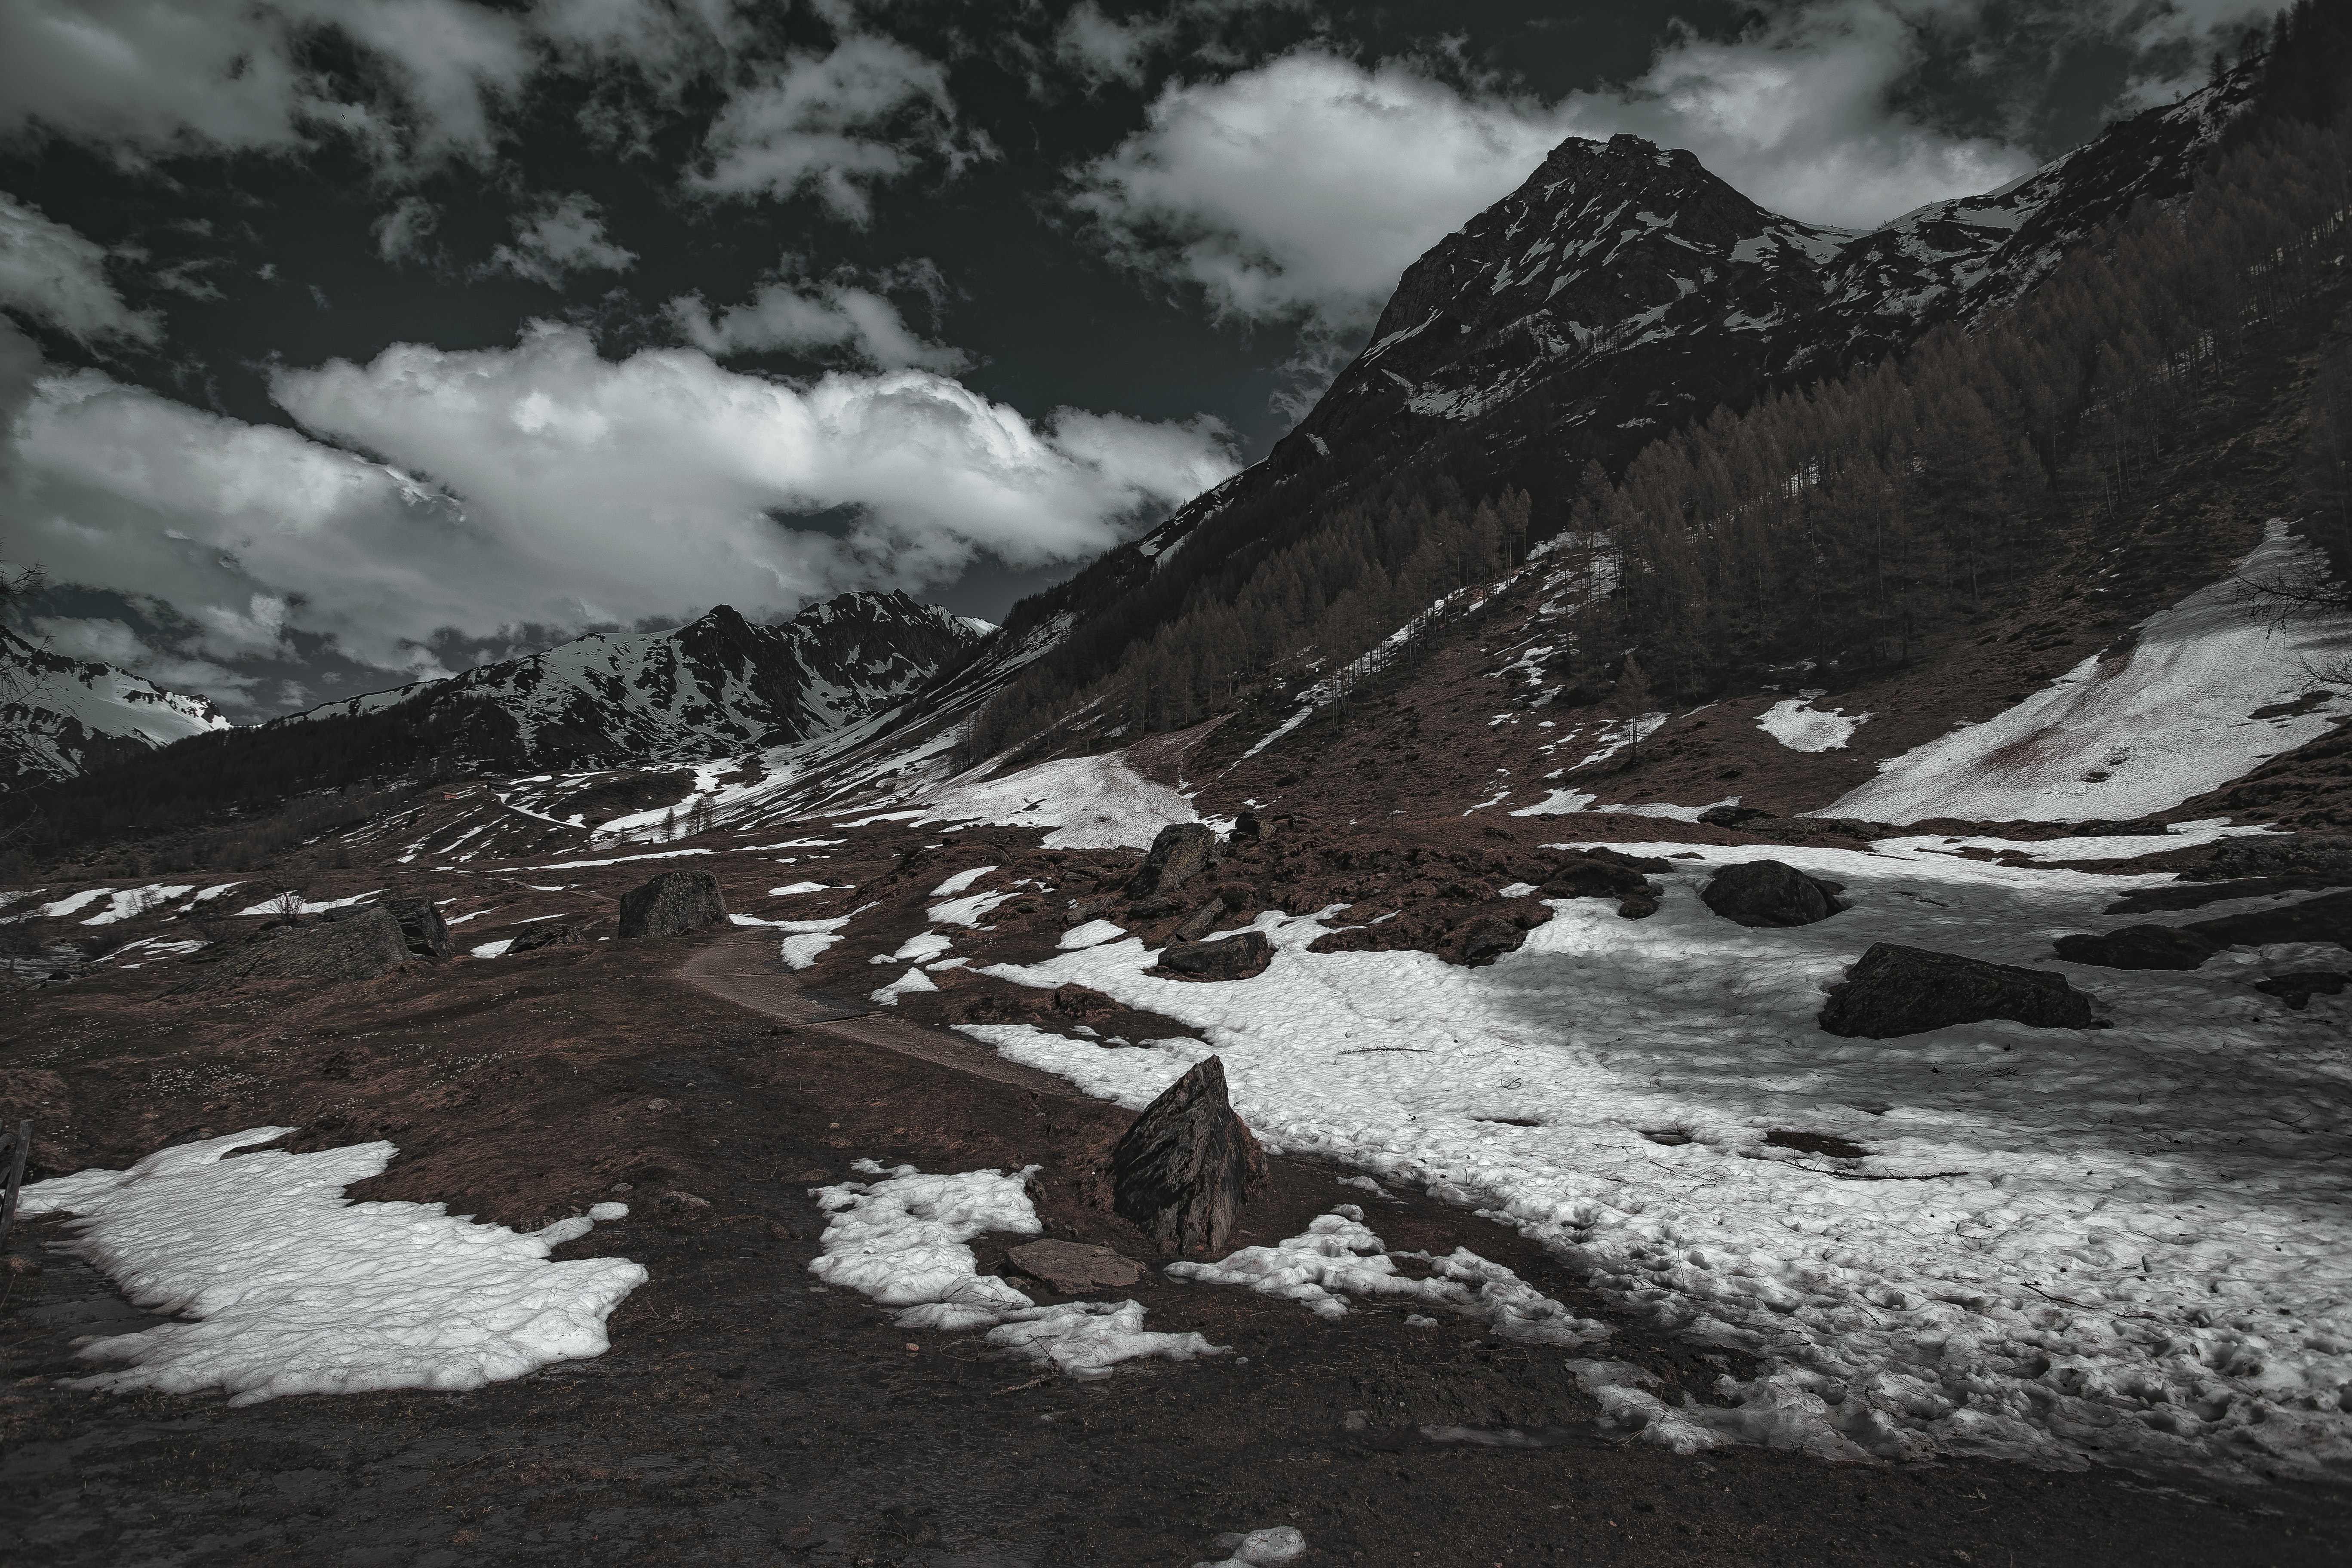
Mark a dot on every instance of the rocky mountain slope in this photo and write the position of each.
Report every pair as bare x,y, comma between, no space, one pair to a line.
61,718
717,686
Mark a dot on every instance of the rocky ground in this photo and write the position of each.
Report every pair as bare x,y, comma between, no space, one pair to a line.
746,1414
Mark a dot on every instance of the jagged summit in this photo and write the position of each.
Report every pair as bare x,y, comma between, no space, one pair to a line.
714,685
60,718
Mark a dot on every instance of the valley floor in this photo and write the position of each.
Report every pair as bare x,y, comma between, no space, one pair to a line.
746,1414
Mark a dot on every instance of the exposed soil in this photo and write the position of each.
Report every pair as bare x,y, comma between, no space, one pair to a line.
744,1415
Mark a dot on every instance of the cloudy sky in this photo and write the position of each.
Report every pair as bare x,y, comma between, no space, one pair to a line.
346,341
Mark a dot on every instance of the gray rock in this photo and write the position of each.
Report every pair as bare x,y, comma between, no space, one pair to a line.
1185,1168
1181,851
1249,827
420,927
1767,893
360,946
672,904
550,933
1235,957
1074,1267
2327,918
1202,922
1487,938
2327,855
1895,990
2296,990
2138,947
1594,877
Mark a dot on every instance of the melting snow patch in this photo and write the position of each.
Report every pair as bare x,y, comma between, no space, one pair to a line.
1090,933
1798,725
2175,718
292,1290
271,906
968,910
800,887
1338,1259
494,949
1090,803
902,1241
961,882
2131,1245
913,980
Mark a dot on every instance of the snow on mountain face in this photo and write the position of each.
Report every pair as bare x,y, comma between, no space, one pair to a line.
719,685
62,718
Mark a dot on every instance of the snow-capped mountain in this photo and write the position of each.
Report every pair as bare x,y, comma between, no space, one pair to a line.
717,686
61,718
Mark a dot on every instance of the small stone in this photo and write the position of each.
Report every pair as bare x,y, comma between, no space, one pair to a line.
1075,1268
685,1202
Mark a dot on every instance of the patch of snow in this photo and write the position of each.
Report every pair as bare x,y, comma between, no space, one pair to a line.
797,887
2131,1244
2138,736
913,980
1797,725
270,906
961,882
292,1290
1090,803
1091,933
902,1240
1566,802
494,949
968,910
813,937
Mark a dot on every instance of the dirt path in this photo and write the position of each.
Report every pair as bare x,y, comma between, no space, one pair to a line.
744,968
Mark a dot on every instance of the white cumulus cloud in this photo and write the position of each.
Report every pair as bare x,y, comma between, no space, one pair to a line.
860,320
564,490
50,273
554,237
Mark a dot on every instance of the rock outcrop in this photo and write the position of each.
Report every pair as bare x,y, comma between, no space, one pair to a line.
1075,1268
2138,947
1180,852
1187,1166
672,904
358,946
1767,893
1235,957
1896,990
422,928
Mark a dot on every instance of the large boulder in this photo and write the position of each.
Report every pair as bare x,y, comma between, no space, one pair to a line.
2327,918
1181,851
359,946
1235,957
422,928
1185,1168
2138,947
1767,893
672,904
1899,990
1596,878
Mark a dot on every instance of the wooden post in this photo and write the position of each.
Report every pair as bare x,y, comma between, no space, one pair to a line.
15,1150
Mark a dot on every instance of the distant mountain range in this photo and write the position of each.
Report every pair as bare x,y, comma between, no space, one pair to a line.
717,686
60,718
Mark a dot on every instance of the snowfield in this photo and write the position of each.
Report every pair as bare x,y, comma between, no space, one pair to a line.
1090,803
2174,718
2129,1244
292,1290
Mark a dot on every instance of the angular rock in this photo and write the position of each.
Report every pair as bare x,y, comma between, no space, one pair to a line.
2296,990
2327,918
1075,1268
1185,1168
358,947
1202,922
1731,815
672,904
420,927
549,934
1180,852
1895,990
1767,893
2140,947
1235,957
1249,827
1595,878
1083,1002
1486,939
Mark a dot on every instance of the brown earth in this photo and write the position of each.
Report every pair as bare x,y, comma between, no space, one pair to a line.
744,1415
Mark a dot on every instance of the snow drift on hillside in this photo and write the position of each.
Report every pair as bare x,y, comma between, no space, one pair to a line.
2132,1244
1090,803
2175,718
292,1290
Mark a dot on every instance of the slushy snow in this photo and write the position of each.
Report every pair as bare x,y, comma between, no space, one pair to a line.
289,1289
902,1241
2133,1243
2125,738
